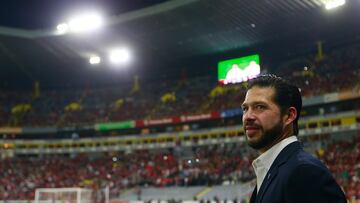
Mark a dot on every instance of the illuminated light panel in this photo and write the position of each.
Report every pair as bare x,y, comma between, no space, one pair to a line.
62,28
94,60
331,4
119,56
85,22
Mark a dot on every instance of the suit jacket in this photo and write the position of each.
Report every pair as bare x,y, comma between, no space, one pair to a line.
297,177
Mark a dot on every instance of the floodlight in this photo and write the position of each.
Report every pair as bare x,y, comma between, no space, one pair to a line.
331,4
118,56
85,22
94,60
62,28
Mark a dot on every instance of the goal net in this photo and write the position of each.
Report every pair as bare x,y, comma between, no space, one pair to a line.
63,195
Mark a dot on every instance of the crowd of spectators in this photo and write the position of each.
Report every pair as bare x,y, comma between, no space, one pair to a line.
338,71
207,165
343,160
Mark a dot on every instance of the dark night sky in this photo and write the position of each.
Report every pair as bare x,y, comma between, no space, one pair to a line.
46,14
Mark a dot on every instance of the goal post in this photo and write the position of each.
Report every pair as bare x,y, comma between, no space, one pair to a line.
63,195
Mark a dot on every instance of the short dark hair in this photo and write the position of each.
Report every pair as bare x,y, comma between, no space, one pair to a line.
286,95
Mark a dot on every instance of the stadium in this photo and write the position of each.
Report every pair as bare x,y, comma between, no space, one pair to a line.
140,101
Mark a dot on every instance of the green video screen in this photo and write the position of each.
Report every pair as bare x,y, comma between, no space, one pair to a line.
239,69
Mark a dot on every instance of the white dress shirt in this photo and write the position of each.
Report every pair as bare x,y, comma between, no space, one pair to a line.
263,163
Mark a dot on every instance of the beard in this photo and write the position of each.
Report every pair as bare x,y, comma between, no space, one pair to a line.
267,138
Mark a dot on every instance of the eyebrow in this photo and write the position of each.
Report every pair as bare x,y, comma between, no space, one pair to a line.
253,103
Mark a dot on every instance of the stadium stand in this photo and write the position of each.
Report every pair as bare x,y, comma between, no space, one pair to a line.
337,73
181,171
155,168
219,167
342,158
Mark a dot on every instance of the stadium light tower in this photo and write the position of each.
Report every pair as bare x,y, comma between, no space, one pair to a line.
119,56
331,4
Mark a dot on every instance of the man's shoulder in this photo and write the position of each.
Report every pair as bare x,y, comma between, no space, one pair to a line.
293,157
304,159
303,167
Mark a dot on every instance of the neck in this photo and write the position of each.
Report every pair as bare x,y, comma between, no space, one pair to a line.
286,133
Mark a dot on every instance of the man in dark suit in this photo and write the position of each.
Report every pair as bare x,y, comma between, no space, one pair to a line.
285,173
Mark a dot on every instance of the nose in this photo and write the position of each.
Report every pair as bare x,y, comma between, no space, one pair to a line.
248,115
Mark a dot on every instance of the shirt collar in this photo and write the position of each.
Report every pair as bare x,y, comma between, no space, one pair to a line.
263,163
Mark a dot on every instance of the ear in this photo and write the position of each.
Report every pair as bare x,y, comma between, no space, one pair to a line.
290,116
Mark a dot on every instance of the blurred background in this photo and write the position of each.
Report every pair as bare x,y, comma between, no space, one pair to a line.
140,100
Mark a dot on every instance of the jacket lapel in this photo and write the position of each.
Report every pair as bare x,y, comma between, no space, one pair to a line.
253,195
284,155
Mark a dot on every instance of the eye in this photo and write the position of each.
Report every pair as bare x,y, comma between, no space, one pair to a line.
260,107
244,108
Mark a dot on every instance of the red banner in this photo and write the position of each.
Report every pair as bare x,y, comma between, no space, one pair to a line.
177,119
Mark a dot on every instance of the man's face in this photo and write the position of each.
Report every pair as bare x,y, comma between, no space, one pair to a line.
262,121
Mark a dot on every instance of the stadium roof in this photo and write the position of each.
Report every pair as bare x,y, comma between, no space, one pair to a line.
160,34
